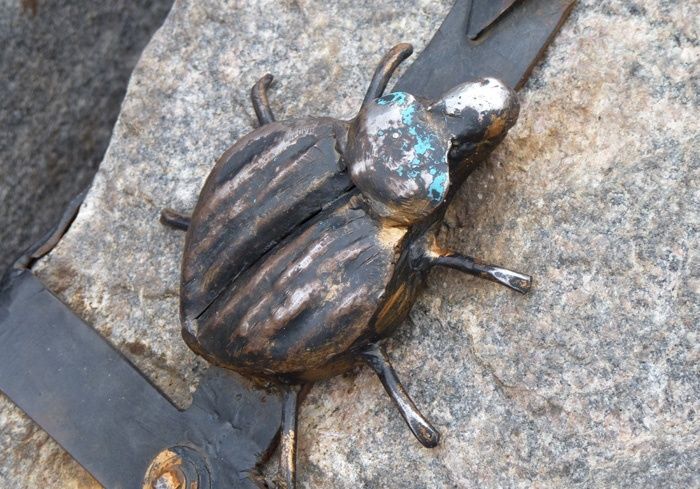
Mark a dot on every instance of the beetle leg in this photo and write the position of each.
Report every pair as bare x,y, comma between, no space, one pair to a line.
287,471
386,68
514,280
261,104
376,357
175,219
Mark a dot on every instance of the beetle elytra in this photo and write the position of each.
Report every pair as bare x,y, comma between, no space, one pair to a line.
312,237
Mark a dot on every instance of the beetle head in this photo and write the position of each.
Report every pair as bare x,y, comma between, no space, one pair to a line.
477,116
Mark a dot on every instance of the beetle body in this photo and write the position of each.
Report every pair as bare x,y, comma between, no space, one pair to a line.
311,238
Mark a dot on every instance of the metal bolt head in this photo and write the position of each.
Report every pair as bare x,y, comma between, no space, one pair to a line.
177,467
173,479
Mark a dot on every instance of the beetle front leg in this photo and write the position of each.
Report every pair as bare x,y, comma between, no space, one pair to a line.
513,280
174,219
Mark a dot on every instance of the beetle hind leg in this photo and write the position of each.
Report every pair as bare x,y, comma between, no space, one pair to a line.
261,103
286,472
174,219
376,357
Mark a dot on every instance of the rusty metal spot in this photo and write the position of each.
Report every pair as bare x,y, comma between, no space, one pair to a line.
179,467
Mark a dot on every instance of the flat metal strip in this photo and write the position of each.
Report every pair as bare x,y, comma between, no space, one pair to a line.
484,13
78,388
105,413
508,49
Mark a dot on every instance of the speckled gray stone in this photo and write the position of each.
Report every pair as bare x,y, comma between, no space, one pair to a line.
589,381
64,67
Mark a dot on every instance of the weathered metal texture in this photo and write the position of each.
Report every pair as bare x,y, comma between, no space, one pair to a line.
507,50
262,189
228,295
107,415
298,310
287,279
397,154
408,156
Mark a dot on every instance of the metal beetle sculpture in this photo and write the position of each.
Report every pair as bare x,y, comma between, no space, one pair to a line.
311,238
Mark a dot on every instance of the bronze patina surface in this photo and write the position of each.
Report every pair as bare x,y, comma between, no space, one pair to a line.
312,238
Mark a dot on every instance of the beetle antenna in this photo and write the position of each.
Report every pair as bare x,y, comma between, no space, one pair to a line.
375,356
385,69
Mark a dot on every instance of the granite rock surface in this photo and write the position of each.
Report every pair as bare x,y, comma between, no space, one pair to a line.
591,380
64,68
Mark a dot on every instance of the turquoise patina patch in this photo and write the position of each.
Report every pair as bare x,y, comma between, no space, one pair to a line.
407,114
418,143
438,187
423,144
394,98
